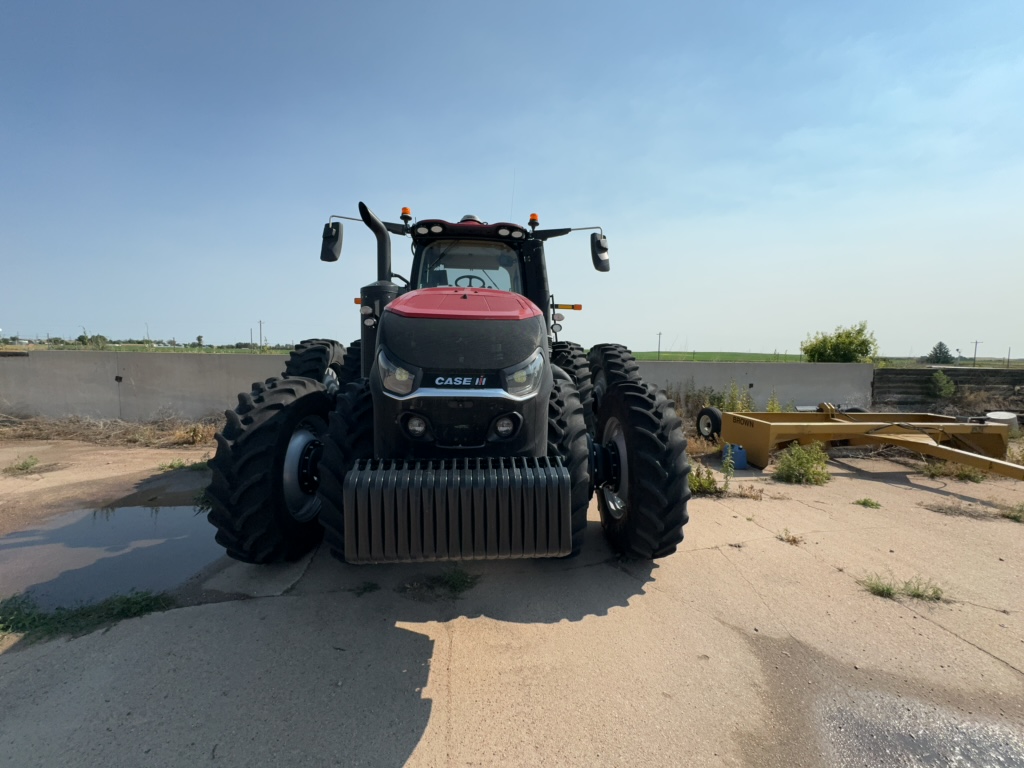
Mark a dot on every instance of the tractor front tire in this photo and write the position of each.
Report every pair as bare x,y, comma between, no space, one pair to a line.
265,472
326,361
567,439
643,507
571,358
611,364
349,438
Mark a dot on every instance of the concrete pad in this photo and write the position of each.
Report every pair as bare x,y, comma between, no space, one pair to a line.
766,653
257,580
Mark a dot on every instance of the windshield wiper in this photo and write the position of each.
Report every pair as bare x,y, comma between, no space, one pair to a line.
443,254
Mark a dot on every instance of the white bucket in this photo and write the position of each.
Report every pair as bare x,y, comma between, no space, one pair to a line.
1004,417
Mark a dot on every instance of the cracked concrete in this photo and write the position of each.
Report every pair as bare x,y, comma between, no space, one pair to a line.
767,654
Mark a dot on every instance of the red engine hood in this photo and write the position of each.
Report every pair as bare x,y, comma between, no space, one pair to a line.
463,304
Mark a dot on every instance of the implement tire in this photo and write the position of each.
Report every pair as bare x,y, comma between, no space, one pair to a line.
265,472
610,364
567,439
571,358
643,508
349,438
709,423
326,361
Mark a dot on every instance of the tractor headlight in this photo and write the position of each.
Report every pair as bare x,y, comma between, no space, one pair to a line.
397,379
524,379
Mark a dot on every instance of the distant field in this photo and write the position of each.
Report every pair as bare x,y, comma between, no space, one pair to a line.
721,357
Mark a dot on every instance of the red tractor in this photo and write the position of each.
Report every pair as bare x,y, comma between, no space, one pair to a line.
457,426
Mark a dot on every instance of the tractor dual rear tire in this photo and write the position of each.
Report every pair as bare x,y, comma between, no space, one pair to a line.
644,511
326,361
610,364
349,438
571,358
262,494
567,439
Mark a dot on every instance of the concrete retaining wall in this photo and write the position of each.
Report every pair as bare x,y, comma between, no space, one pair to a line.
138,386
133,386
846,384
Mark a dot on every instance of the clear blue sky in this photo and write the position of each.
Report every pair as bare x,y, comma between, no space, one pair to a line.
762,169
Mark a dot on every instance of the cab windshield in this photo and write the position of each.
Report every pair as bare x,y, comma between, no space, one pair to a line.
470,264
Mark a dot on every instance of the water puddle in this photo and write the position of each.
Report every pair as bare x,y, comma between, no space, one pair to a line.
89,555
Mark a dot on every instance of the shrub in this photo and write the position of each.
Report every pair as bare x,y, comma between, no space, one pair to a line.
802,464
846,345
942,386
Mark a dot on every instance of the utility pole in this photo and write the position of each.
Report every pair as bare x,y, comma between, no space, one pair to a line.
1008,350
252,349
976,352
659,345
261,337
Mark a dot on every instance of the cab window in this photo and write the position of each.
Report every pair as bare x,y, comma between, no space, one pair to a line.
470,264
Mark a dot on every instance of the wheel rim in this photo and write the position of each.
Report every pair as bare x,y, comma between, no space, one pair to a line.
704,425
300,475
330,381
616,498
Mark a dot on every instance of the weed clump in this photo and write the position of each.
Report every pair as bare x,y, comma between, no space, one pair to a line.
22,466
754,492
879,586
790,538
803,465
922,589
702,481
961,472
868,503
1014,513
916,588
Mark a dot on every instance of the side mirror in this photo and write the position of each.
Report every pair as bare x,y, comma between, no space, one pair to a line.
599,252
330,249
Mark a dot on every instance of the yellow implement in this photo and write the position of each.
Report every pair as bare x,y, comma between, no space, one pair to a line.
973,442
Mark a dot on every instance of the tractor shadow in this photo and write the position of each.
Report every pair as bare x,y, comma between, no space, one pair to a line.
334,669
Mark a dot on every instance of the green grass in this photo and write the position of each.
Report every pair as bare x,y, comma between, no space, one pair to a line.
802,465
195,466
22,467
20,615
915,588
869,503
879,586
922,589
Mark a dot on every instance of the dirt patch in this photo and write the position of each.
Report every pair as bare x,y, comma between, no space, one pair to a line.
80,475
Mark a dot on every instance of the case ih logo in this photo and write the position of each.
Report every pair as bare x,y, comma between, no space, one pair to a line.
461,381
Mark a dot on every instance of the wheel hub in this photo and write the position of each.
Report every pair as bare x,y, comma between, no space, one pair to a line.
300,475
614,469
